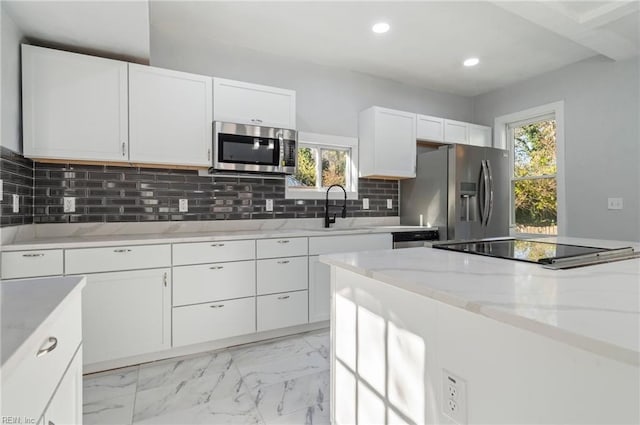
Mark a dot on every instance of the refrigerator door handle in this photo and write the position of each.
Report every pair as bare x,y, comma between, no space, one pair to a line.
490,187
485,193
481,193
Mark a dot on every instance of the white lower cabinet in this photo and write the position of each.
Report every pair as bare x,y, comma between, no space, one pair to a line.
319,290
66,405
281,275
207,322
211,282
282,310
126,313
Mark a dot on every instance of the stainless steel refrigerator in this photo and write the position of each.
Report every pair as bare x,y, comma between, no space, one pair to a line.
464,190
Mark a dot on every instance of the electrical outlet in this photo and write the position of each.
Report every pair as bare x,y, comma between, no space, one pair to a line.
614,203
16,203
269,205
365,203
69,204
1,190
389,204
183,205
454,397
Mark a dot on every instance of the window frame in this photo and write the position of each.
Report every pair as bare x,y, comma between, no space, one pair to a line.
503,138
326,141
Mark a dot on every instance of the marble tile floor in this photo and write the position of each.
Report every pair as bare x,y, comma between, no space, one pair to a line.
280,381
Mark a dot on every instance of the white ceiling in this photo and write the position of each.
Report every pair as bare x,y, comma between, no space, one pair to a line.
118,28
428,41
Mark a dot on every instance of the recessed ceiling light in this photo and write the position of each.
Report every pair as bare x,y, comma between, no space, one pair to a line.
471,62
380,28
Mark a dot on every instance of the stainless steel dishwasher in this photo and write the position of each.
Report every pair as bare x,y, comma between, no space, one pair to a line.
414,238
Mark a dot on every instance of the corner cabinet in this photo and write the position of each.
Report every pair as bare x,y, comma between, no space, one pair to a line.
73,106
253,104
169,117
387,143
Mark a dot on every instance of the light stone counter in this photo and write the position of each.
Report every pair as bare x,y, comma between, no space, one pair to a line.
26,305
595,308
54,236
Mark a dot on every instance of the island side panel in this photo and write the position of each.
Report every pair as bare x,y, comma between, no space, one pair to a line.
511,375
382,353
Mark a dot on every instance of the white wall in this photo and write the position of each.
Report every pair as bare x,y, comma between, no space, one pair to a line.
602,139
11,131
328,99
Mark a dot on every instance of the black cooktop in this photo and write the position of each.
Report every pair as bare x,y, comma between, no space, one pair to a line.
521,249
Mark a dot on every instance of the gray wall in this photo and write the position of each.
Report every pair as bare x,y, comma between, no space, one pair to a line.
328,99
10,56
602,141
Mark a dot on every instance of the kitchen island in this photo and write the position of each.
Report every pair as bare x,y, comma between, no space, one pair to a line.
430,336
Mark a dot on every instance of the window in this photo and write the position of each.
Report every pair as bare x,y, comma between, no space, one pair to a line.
535,140
324,160
534,189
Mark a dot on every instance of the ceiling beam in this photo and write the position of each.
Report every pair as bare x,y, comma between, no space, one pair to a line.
583,29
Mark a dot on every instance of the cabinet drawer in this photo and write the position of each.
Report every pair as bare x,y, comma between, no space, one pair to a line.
207,322
282,247
116,258
32,263
213,252
282,275
27,389
213,282
334,244
282,310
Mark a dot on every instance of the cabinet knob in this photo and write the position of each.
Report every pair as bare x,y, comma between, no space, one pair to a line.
33,255
53,343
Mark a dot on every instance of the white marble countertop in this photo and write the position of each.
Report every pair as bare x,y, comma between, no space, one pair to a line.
191,235
596,308
27,304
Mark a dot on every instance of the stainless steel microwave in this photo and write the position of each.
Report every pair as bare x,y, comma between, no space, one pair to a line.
243,147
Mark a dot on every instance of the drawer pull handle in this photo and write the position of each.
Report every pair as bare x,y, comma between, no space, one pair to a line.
121,250
216,268
33,255
164,279
284,262
284,241
54,343
217,244
216,306
283,297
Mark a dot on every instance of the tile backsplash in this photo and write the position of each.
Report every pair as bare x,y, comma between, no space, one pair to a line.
16,173
130,194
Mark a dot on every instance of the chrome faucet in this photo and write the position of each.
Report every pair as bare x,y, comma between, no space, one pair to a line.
328,220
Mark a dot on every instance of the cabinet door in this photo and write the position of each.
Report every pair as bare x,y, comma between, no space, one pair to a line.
319,290
66,405
479,135
246,103
456,132
74,106
430,128
126,313
169,117
387,143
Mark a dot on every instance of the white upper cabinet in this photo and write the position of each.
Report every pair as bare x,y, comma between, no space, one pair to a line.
387,143
169,117
456,132
74,106
247,103
480,135
430,128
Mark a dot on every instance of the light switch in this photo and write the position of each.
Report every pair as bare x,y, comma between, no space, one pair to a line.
1,190
614,203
